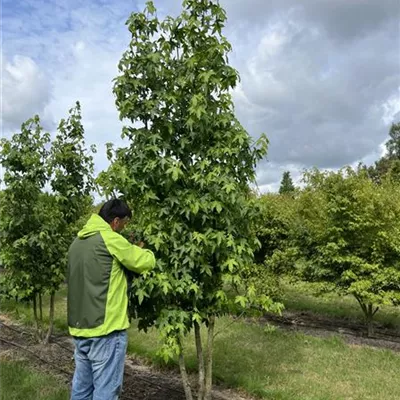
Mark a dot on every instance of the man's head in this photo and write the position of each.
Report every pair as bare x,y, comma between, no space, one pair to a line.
116,213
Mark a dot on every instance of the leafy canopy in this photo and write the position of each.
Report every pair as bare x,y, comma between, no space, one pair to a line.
187,168
37,225
349,235
286,184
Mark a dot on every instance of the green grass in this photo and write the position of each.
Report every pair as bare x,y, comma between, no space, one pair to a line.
23,313
300,297
288,366
282,365
20,382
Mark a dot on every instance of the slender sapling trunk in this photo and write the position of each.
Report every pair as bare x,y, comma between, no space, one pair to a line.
185,379
209,358
35,315
369,312
40,309
200,361
51,319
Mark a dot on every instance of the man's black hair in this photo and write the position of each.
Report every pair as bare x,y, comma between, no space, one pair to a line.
114,208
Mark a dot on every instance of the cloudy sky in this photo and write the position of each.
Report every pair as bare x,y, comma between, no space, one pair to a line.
320,77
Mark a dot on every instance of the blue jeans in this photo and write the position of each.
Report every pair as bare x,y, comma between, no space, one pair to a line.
99,367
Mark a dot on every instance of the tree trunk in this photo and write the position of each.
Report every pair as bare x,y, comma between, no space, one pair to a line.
369,314
35,315
40,309
185,379
209,359
370,322
51,319
200,361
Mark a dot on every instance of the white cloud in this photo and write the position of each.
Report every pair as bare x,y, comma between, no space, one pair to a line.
75,60
319,100
320,78
391,108
25,91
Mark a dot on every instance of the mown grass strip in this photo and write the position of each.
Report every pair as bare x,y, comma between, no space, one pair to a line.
18,381
280,365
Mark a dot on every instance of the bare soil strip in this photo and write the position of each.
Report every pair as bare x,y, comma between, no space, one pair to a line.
141,381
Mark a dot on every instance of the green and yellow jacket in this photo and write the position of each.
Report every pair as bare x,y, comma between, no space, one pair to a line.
97,284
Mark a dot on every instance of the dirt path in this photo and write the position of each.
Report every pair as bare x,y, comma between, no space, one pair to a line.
141,381
352,332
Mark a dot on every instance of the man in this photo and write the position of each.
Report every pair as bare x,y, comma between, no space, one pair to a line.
98,301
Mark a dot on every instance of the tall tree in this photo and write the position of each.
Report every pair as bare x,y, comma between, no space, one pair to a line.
186,172
286,184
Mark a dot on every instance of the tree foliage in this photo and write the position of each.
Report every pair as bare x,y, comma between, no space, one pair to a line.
186,172
348,233
286,184
274,230
275,225
22,237
393,144
37,225
72,166
389,164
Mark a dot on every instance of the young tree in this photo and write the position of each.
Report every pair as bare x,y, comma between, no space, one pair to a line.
286,184
186,173
37,226
71,165
23,241
349,236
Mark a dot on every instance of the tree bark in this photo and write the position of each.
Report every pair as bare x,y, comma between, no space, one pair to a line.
362,305
40,308
370,322
200,361
209,359
51,319
184,375
369,314
35,315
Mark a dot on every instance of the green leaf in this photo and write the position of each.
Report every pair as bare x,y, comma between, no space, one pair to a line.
150,7
241,300
140,293
197,318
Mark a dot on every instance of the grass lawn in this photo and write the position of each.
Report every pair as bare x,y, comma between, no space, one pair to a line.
23,313
20,382
286,366
300,297
279,365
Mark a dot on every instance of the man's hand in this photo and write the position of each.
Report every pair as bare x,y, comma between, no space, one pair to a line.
132,240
